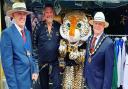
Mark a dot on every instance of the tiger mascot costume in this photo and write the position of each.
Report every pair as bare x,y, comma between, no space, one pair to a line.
75,30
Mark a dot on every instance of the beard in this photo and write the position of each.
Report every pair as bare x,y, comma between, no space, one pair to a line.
49,20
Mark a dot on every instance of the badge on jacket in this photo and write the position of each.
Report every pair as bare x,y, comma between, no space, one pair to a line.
28,53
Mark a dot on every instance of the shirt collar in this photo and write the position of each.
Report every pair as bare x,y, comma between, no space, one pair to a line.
97,38
99,35
18,28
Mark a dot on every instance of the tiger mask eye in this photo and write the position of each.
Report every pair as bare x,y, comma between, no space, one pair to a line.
79,25
68,25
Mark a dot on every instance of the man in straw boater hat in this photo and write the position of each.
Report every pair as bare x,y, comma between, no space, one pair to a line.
99,56
18,64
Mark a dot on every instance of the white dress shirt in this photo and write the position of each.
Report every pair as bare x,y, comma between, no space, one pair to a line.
97,39
18,28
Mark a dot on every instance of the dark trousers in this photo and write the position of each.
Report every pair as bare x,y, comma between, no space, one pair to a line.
53,73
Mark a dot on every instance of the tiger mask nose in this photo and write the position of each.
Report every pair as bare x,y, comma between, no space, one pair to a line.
73,22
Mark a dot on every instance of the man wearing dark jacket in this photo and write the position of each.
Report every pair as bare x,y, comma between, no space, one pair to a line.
99,56
46,39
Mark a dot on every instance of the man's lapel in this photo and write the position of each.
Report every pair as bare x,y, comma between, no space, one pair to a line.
99,41
28,42
17,35
90,41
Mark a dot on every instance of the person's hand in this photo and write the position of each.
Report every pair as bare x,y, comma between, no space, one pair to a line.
34,76
62,50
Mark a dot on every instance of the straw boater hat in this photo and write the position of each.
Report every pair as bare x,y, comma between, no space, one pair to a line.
99,16
18,6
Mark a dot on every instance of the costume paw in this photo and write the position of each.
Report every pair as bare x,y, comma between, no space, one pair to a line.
73,55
